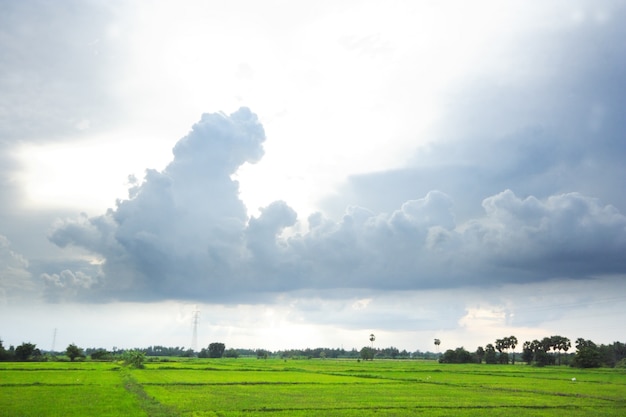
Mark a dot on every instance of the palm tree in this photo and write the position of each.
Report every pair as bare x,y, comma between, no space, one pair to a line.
437,343
560,343
372,338
500,345
512,344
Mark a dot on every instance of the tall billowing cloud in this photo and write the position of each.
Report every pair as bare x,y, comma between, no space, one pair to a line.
183,233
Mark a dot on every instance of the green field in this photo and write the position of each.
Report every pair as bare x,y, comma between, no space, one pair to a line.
252,387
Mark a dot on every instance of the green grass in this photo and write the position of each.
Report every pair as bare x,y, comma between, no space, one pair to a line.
68,390
251,387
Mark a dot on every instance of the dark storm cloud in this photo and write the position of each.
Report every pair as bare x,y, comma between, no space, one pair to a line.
183,233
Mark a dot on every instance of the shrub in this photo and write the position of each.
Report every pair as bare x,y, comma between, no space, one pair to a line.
134,358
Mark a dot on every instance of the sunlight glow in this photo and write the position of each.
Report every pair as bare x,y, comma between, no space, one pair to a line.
87,175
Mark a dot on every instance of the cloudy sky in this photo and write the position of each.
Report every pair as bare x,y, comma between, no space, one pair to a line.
304,174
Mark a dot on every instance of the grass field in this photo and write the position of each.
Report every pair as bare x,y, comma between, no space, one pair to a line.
251,387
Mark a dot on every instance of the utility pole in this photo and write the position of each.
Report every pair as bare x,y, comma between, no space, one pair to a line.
194,338
54,339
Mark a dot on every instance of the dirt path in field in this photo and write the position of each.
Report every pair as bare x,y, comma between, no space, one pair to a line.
149,404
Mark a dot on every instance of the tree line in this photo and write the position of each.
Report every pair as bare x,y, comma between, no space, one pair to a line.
30,352
547,351
551,350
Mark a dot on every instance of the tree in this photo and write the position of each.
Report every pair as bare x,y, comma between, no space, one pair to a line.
4,355
27,351
367,353
480,354
100,355
231,353
216,350
490,354
501,345
587,354
541,349
587,358
459,355
528,352
512,341
390,352
73,352
437,343
582,343
560,343
372,338
613,354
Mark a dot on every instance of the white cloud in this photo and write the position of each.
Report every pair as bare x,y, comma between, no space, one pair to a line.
66,285
184,233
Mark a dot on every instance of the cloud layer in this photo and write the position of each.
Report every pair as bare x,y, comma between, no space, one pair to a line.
183,233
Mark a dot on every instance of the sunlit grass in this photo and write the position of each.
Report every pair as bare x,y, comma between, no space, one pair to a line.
251,387
64,389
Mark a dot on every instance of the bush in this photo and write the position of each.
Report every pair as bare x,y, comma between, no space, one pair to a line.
134,358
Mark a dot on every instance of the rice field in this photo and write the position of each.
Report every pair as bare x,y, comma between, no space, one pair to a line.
252,387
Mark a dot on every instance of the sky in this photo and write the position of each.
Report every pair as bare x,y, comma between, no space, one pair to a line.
304,174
